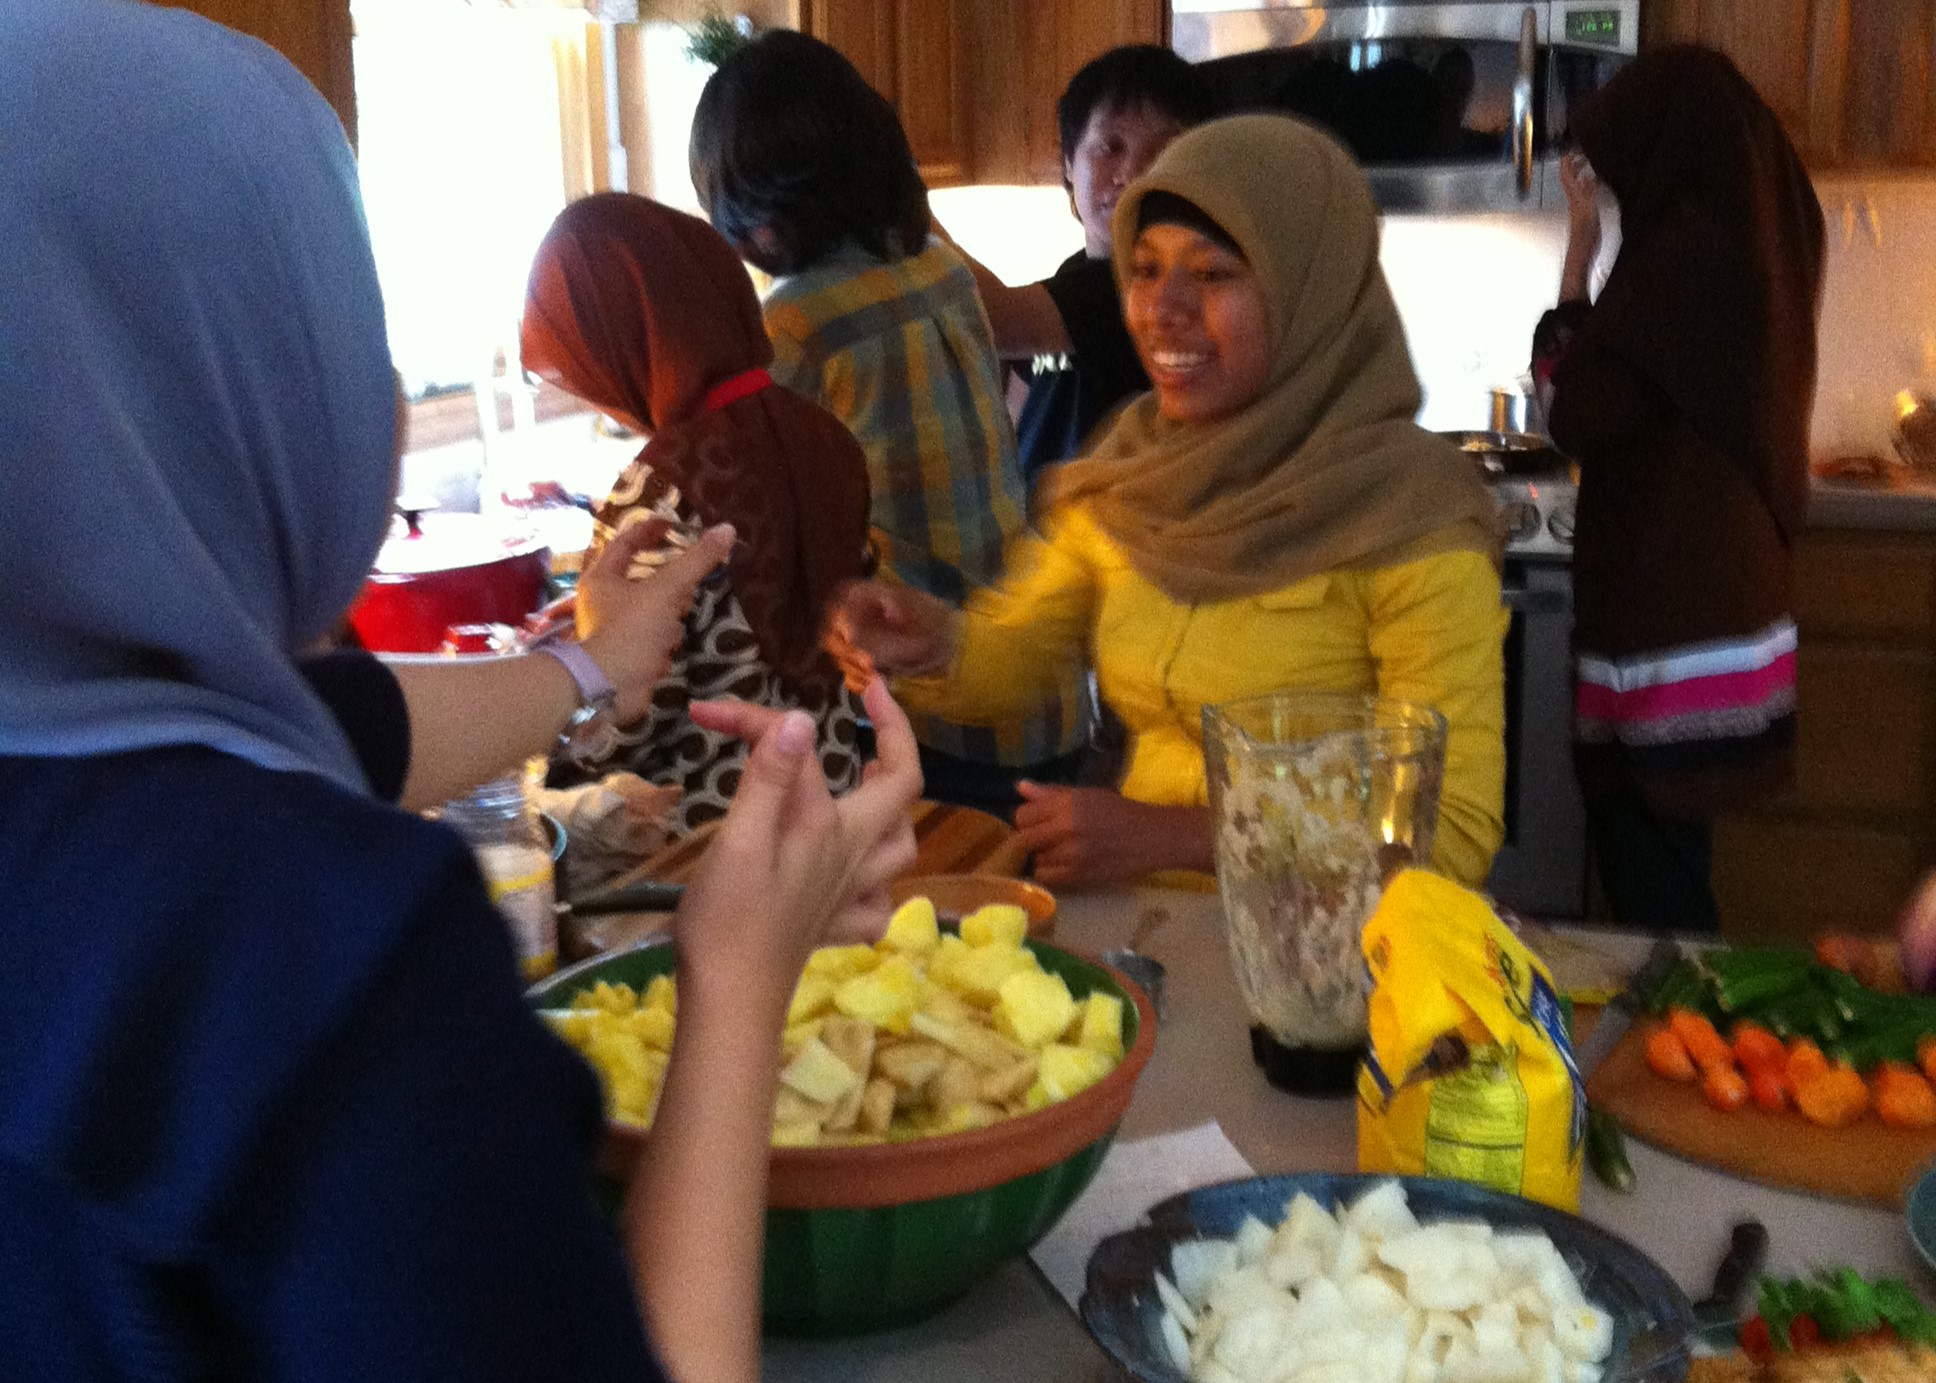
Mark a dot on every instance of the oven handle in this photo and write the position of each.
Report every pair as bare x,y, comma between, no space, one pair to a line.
1522,102
1541,601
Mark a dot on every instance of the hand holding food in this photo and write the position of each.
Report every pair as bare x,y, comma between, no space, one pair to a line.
632,626
819,867
1089,837
907,633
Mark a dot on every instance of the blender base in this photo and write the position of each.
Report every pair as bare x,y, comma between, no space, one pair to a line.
1306,1070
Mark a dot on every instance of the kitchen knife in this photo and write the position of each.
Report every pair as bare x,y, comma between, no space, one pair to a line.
1659,1352
1618,1015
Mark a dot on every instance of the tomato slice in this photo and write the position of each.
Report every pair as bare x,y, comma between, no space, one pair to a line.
1756,1342
1804,1333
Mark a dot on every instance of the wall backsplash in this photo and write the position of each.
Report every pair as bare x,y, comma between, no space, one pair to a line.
1471,289
1878,325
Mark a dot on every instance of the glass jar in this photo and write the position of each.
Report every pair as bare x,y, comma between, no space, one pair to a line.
514,855
1316,798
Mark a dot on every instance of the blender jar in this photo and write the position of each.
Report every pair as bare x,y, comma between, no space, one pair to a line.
1315,798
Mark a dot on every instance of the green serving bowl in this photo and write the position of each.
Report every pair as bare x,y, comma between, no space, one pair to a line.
865,1238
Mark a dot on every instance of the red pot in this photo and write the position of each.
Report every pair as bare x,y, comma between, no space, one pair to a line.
446,569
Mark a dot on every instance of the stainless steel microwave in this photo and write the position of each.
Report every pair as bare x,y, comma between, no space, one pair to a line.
1450,105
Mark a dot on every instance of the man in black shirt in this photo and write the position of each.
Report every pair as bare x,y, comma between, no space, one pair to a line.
1115,116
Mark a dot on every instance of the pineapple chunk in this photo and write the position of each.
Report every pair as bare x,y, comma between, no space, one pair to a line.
653,1027
842,962
947,960
818,1074
939,1001
966,1115
877,1106
1101,1027
995,923
796,1135
607,997
979,974
984,1047
1064,1071
792,1108
1035,1008
812,997
912,929
999,1087
794,1036
661,993
885,996
909,1065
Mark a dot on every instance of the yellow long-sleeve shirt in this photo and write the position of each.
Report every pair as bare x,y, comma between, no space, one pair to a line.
1428,630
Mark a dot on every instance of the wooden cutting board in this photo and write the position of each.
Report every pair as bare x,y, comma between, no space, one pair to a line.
947,840
1868,1160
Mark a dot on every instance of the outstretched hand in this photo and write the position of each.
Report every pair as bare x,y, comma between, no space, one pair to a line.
632,626
897,630
792,867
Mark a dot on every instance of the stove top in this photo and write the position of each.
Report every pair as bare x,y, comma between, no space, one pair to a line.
1536,514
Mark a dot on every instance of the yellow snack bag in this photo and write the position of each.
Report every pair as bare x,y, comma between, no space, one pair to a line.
1470,1074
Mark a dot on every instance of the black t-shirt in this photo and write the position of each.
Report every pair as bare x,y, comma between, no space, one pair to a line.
272,1103
366,700
1069,395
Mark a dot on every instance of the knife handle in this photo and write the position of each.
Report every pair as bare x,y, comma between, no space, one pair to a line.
1747,1251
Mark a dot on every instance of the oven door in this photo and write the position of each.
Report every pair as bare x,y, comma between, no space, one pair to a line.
1445,104
1541,868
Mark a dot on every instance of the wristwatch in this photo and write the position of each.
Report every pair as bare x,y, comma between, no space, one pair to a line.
591,734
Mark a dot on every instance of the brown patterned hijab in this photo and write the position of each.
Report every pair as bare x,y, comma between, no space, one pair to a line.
647,314
1325,468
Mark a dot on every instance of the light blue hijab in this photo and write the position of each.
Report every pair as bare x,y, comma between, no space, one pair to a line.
196,406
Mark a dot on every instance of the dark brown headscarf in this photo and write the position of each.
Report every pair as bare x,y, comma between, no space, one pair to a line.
643,311
1714,292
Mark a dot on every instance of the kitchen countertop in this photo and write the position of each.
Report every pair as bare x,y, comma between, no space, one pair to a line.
1909,508
1014,1326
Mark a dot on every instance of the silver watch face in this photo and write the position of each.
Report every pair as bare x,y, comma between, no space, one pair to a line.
592,737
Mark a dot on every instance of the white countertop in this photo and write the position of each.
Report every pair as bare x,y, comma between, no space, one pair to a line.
1014,1326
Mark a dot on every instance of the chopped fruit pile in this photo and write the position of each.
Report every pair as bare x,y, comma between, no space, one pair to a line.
922,1033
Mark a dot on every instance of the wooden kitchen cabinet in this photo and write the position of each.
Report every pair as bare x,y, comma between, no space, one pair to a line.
1850,79
975,81
313,34
914,52
1842,848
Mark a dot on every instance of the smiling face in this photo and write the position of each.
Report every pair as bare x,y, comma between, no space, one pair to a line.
1200,322
1116,146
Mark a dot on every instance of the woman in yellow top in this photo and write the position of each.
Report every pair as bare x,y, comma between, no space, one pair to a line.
1269,518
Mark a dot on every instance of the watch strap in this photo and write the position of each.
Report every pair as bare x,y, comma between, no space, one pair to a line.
595,689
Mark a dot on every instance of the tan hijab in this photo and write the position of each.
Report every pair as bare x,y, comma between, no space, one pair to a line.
1325,468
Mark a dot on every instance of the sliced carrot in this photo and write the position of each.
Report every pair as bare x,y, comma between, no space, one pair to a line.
1768,1087
1724,1088
1903,1099
1667,1055
1703,1043
1832,1097
1842,951
1804,1059
1755,1047
1926,1054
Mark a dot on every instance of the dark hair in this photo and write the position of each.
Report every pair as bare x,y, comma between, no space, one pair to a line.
1160,208
789,137
1137,74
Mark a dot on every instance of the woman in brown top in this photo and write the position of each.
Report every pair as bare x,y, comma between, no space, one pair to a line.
1684,394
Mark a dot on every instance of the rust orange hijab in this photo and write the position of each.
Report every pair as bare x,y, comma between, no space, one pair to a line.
647,314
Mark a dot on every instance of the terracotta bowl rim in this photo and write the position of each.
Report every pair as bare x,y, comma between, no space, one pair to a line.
874,1176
